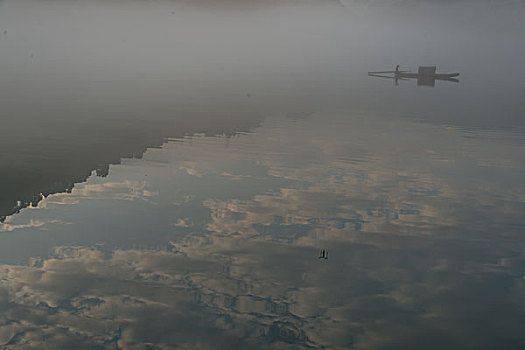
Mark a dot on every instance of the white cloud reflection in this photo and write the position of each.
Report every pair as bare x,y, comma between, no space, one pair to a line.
412,253
125,191
220,292
7,226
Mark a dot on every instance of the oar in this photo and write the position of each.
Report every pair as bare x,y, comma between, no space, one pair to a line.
389,71
386,76
449,79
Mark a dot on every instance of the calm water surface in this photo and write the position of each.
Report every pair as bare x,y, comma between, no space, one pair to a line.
175,191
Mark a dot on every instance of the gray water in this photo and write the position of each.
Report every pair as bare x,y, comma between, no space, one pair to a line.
171,170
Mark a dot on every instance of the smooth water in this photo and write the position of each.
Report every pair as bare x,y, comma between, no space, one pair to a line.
171,171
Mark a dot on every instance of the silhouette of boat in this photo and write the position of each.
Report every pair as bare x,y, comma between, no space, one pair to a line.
429,72
426,75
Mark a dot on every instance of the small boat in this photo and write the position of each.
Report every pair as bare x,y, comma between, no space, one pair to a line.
426,75
426,72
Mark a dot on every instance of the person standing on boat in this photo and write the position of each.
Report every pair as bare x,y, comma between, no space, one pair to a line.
397,72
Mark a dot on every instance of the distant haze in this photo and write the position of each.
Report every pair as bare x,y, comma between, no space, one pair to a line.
78,77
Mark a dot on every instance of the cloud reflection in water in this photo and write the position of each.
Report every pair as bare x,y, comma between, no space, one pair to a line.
425,247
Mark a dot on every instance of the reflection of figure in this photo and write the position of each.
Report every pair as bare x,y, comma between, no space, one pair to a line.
323,255
397,73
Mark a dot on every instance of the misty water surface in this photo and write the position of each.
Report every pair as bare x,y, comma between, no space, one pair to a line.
171,170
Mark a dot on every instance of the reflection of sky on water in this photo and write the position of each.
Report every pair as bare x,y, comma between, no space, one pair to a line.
213,242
